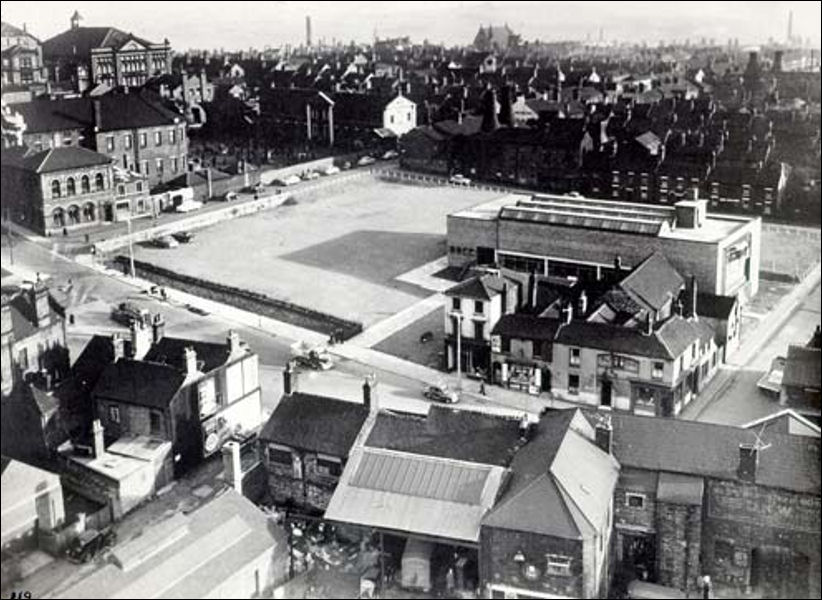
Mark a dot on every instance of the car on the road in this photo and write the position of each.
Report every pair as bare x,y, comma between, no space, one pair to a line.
771,382
330,170
311,175
390,155
254,189
345,165
184,237
166,241
440,393
314,361
426,336
286,181
230,196
366,160
459,179
89,544
188,206
126,312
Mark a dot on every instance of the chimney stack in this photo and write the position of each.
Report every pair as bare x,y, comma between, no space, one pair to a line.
233,341
617,264
649,324
567,314
140,339
98,113
158,328
190,360
692,297
369,393
603,433
232,465
748,461
289,379
118,347
582,303
97,433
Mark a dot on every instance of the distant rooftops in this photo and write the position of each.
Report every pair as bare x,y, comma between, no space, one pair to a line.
686,219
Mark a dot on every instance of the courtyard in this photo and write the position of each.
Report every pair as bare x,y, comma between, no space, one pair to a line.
338,251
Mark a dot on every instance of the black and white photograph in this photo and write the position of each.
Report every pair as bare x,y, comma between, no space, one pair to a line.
456,299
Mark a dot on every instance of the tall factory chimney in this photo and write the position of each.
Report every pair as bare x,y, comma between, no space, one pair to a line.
790,26
308,30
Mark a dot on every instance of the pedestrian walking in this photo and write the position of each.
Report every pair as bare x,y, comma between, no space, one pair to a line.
482,388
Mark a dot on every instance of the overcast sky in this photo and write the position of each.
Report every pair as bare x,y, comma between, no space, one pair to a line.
234,25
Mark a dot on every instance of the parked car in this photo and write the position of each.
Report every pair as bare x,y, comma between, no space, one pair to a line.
440,393
89,544
166,242
286,181
366,160
184,237
345,166
188,206
230,196
771,382
314,361
391,154
459,179
311,175
254,189
427,336
331,170
126,312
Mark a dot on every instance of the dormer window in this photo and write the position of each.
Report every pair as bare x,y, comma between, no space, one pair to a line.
558,564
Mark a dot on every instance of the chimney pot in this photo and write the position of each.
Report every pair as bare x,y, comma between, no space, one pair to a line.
748,461
649,324
98,434
603,432
289,379
369,393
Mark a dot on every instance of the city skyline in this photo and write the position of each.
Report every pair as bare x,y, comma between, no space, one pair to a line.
280,23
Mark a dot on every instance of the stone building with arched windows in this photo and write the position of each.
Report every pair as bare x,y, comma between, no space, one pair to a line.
65,188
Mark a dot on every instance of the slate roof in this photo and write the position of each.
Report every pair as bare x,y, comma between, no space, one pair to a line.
139,382
561,484
602,336
170,351
80,41
64,158
715,307
710,450
117,111
653,281
448,433
802,367
678,333
482,287
316,423
527,327
95,356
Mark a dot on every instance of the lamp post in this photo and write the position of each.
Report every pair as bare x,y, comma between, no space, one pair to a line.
130,249
458,317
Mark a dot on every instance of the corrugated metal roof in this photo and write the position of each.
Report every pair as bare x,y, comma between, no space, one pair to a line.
424,477
421,495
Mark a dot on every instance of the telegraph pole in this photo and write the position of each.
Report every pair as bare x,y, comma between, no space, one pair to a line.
130,249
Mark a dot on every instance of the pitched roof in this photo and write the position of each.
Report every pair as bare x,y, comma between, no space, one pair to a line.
710,450
80,41
424,495
482,287
529,327
715,307
117,111
317,423
678,333
561,483
64,158
653,281
448,433
187,555
139,382
803,367
613,338
170,351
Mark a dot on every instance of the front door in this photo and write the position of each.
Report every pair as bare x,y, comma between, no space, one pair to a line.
605,392
639,556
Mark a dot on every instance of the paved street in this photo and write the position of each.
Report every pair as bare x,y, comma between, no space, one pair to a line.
733,398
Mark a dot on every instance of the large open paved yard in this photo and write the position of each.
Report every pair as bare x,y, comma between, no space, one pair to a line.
789,250
339,252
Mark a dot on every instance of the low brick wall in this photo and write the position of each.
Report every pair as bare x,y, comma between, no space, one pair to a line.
247,300
267,176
